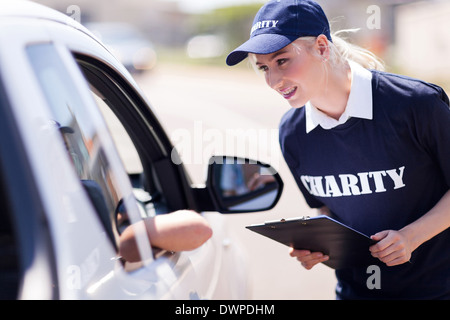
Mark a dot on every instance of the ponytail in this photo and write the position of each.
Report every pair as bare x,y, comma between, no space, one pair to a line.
344,50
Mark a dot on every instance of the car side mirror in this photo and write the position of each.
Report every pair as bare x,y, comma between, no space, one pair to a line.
239,185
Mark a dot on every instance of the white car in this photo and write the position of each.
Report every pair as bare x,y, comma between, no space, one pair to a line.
66,173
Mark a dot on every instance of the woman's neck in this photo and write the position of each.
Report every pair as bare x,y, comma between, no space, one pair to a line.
332,100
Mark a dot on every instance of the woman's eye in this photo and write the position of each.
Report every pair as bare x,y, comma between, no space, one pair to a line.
281,61
263,68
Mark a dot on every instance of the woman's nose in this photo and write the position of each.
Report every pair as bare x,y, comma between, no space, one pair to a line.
274,79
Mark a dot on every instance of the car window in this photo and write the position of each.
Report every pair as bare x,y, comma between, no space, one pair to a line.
142,152
124,144
131,160
80,134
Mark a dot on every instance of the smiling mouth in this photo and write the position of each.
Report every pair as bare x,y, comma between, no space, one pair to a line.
288,93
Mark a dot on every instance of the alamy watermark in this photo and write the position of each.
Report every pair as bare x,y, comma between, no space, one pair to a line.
374,280
74,12
196,145
374,19
78,276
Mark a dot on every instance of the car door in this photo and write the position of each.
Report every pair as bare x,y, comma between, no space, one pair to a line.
73,163
160,185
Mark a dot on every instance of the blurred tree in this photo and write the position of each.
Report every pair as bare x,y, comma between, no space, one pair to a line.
233,23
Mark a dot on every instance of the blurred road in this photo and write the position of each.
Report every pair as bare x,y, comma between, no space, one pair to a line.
228,111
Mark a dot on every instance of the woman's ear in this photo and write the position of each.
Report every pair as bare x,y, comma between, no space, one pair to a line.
322,47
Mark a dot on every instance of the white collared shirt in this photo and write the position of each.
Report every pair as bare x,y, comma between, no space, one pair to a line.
359,104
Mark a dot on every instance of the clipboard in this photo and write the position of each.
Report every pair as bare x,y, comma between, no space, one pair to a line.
345,246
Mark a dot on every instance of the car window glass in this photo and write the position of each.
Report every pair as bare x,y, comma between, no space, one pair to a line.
122,140
134,136
79,133
149,202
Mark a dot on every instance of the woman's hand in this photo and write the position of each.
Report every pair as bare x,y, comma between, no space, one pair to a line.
393,247
307,258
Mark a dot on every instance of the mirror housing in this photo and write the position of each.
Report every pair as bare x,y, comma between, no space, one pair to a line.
239,185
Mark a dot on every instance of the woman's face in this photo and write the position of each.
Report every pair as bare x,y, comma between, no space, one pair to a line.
294,72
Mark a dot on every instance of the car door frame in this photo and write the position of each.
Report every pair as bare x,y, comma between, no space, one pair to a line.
34,251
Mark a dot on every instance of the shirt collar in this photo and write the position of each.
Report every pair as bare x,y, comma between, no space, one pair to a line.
359,104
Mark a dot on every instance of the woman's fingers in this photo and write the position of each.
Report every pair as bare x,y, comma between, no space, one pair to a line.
307,258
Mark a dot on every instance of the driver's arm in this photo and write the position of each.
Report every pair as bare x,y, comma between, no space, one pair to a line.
181,230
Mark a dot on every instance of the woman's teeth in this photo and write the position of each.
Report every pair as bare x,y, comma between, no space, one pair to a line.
288,92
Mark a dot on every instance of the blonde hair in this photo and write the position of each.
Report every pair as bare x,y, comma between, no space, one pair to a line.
341,50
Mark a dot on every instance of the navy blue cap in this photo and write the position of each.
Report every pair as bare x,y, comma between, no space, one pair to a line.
278,23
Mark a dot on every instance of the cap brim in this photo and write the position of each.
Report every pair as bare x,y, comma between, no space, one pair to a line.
259,44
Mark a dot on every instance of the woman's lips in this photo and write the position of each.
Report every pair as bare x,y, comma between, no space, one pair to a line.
289,92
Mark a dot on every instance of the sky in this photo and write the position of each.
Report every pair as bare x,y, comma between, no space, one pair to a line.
206,5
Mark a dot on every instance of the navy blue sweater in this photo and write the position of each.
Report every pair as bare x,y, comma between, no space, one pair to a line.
381,174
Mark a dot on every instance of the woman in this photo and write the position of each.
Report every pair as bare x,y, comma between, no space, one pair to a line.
369,147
